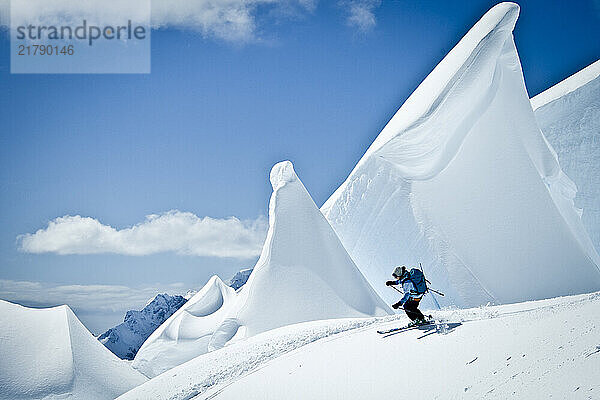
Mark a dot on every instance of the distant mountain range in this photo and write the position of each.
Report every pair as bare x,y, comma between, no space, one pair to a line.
125,339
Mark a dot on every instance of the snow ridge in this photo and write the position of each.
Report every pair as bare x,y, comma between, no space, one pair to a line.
565,87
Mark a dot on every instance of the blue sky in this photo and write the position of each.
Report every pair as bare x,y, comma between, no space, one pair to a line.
313,82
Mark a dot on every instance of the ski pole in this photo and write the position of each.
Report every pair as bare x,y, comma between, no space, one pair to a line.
396,289
430,289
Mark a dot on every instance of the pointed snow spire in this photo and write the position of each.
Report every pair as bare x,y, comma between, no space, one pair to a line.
186,333
462,180
304,272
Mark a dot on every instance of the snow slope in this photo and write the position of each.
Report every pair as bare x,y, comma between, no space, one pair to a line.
125,339
462,180
536,350
347,359
225,365
569,116
303,273
48,353
187,332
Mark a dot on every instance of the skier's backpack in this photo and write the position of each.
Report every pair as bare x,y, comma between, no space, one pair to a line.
418,279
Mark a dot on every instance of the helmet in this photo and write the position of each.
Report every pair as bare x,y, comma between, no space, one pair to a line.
399,271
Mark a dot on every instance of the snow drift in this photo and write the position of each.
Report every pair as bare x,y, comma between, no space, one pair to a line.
48,353
569,116
303,273
462,180
187,332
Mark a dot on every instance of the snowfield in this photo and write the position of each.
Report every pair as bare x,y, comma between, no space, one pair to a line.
49,354
530,350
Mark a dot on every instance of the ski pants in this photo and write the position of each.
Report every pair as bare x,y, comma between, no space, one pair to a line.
411,307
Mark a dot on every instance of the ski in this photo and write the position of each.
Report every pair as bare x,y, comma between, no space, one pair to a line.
405,328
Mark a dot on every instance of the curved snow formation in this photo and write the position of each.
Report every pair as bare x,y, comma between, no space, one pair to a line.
569,116
187,332
303,273
462,180
48,353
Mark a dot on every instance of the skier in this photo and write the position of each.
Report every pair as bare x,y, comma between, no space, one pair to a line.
414,287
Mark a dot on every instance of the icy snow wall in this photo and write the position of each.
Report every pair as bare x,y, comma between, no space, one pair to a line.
186,333
462,180
569,116
48,353
303,273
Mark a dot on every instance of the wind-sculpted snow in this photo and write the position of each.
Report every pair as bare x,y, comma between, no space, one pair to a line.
187,332
225,365
48,353
569,116
462,180
303,274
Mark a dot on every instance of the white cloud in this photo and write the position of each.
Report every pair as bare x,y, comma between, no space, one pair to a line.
173,231
99,306
230,20
360,13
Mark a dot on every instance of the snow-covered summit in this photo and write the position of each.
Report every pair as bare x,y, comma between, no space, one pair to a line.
48,353
126,338
569,116
303,274
462,180
187,332
240,278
